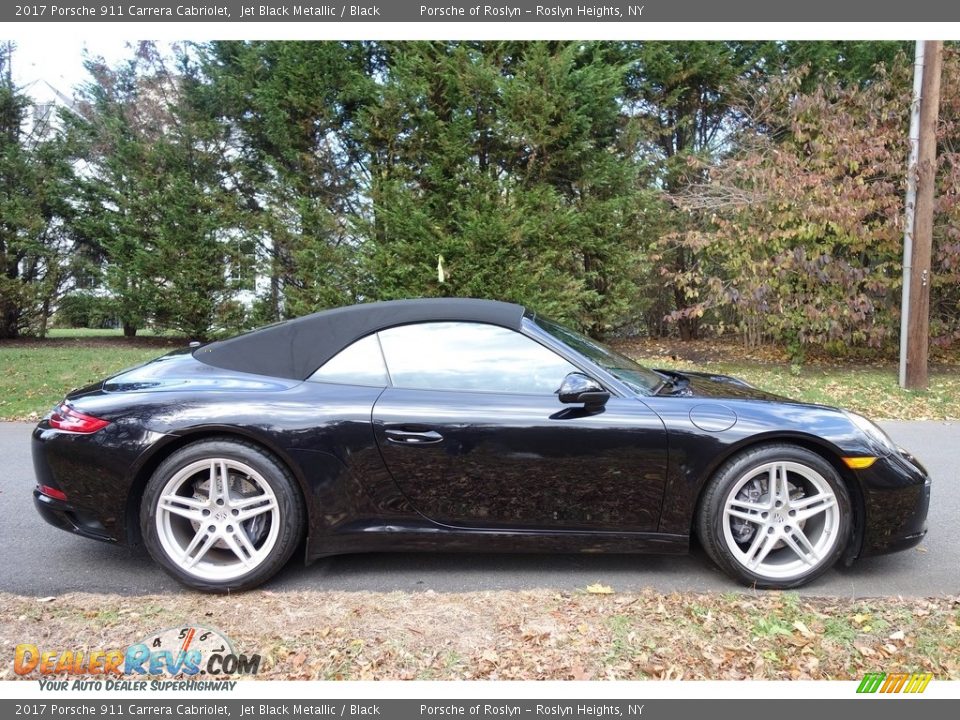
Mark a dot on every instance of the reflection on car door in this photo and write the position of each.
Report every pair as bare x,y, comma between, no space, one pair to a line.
492,459
474,436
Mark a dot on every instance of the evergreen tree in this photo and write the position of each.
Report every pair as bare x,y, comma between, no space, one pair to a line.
34,242
154,210
288,106
512,161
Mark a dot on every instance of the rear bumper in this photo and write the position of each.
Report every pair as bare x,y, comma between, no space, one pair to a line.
66,517
896,499
95,472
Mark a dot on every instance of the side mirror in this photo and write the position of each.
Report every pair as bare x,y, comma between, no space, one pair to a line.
578,388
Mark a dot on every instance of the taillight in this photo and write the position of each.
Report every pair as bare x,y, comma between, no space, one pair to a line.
52,492
65,417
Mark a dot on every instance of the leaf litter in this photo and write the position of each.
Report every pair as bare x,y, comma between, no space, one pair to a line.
517,635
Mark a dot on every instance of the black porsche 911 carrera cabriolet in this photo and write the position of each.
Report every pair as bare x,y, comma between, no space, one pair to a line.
458,424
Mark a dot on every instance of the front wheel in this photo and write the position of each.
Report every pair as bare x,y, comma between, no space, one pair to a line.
221,515
777,516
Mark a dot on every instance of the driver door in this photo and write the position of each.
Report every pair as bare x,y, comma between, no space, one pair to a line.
474,435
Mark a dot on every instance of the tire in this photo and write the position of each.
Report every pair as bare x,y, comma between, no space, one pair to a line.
779,540
221,536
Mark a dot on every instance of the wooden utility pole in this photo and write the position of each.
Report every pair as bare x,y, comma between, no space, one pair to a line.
917,322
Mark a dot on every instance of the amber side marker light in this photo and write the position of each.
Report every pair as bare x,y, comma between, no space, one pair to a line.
859,463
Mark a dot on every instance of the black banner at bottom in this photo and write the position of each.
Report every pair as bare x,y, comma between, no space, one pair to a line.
873,707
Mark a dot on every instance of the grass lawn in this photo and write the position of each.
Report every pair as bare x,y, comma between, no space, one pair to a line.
60,333
35,374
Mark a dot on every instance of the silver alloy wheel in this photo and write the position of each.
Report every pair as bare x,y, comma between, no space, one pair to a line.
793,532
217,519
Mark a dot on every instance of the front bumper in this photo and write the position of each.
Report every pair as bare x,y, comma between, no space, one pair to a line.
896,497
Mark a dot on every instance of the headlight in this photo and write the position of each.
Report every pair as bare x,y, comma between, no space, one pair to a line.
872,431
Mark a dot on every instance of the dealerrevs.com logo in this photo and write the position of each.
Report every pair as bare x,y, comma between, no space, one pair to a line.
894,682
200,657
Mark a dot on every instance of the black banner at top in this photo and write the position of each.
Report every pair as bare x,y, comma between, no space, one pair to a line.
499,11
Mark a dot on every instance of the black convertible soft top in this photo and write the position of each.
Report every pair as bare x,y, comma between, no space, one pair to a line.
296,348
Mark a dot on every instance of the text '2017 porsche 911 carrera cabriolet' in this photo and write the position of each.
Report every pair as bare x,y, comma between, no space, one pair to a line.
459,424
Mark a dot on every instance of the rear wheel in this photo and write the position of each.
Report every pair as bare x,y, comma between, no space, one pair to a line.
221,515
776,516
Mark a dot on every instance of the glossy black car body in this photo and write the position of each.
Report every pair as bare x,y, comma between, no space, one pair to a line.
379,467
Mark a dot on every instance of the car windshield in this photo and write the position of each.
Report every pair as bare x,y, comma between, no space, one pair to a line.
636,376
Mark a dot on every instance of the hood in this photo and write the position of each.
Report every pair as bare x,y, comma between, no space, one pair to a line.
701,384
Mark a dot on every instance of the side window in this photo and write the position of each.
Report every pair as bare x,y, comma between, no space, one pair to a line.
358,364
470,356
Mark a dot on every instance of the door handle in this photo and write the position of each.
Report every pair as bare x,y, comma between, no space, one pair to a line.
409,437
